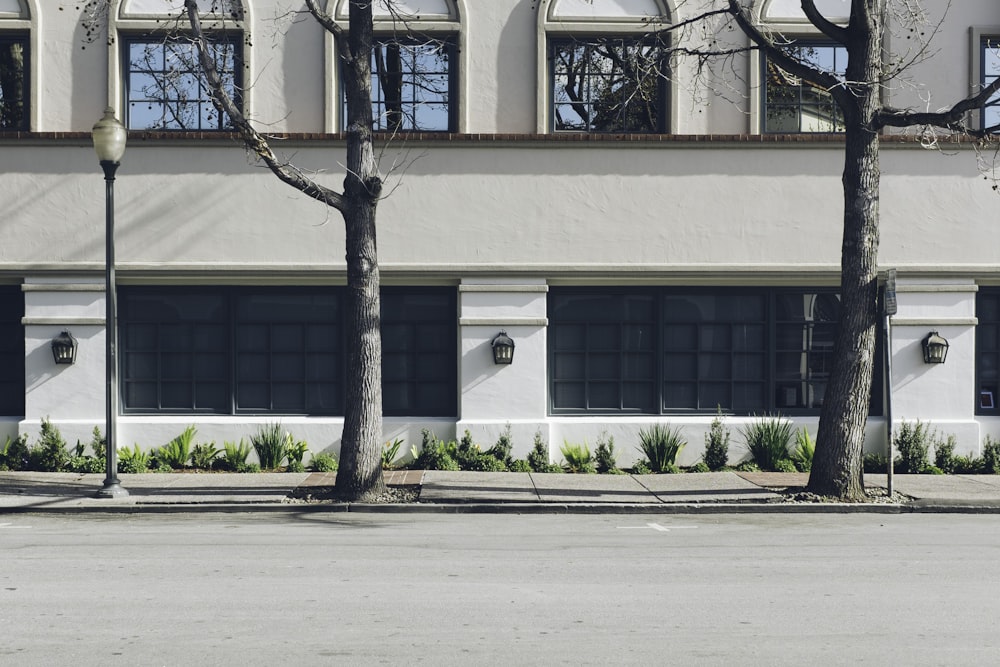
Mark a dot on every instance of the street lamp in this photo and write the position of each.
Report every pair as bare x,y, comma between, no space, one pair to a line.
109,143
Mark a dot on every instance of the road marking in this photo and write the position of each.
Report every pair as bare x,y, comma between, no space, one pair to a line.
10,525
656,527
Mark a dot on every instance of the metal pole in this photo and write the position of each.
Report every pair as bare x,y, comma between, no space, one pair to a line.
888,404
112,486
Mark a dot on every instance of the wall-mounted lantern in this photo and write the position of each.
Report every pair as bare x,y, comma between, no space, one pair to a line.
935,348
64,348
503,348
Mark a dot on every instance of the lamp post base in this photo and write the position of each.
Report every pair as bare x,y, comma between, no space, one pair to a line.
112,489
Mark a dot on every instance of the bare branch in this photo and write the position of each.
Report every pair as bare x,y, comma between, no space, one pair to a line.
253,140
952,118
831,30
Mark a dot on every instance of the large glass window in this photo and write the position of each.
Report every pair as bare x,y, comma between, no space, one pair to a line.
14,83
413,85
165,88
794,105
608,84
11,351
653,351
990,71
988,351
279,351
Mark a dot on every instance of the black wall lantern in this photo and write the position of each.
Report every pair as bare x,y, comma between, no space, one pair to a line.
503,348
935,348
64,348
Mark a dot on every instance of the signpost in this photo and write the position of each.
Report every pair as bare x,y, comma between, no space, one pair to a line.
889,308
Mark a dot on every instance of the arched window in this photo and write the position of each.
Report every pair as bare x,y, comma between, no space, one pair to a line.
415,66
603,66
787,103
162,84
16,109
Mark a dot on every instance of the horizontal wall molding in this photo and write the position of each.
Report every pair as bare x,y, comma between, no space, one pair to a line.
62,321
504,321
62,287
503,288
937,288
934,321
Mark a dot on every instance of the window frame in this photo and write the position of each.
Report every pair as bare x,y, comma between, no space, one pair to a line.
811,41
230,297
662,103
987,350
24,38
450,42
986,41
232,36
659,295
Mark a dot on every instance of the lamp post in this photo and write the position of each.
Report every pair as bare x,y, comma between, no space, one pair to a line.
109,142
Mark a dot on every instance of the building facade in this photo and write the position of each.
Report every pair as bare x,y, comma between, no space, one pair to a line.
660,240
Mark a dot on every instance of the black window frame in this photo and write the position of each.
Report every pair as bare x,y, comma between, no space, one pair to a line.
7,41
217,120
801,89
661,105
992,106
12,351
651,370
253,359
408,111
988,351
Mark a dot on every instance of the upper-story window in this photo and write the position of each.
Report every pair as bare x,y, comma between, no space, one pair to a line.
415,66
990,71
607,84
14,89
15,65
164,87
794,105
605,70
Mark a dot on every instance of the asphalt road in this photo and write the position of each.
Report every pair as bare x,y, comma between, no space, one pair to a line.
341,589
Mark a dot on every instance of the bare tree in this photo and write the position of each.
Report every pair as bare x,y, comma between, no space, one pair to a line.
360,474
857,92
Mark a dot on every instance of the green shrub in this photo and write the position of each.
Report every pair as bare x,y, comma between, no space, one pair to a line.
520,465
805,450
716,455
700,466
390,452
133,460
270,444
49,453
233,456
767,440
538,457
641,467
577,458
436,454
661,445
991,456
944,455
324,462
14,453
203,455
295,451
177,452
875,463
85,464
502,448
967,465
912,442
605,458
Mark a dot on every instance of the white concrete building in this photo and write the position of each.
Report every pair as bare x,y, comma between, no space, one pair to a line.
655,248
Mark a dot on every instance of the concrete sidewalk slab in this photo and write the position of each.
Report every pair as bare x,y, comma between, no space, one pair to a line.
705,487
556,488
953,488
441,486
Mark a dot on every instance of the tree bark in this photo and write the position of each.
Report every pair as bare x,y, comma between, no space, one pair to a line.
837,468
359,477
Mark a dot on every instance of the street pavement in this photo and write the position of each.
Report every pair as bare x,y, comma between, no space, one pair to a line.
440,491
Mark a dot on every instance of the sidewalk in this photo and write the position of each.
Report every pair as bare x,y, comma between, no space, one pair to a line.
487,492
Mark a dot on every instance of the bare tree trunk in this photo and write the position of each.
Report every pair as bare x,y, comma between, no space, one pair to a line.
360,474
837,468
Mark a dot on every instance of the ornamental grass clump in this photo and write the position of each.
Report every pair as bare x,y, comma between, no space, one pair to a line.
233,456
270,443
767,440
133,460
661,445
176,453
390,452
203,456
805,450
577,458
